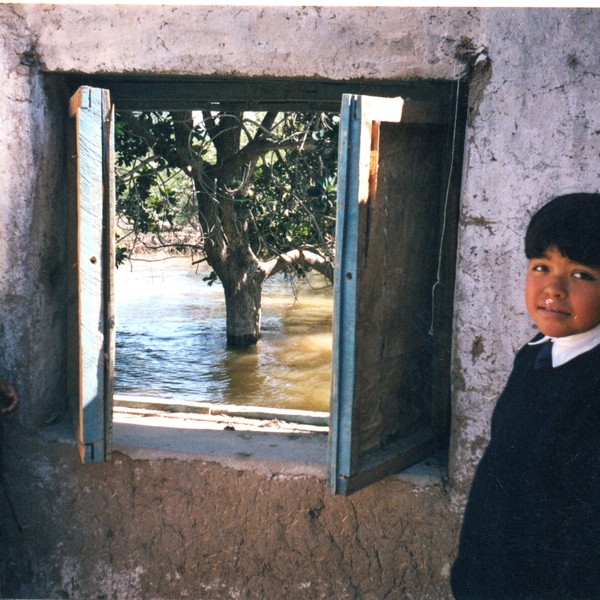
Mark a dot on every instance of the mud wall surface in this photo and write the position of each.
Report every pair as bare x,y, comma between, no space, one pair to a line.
151,528
186,529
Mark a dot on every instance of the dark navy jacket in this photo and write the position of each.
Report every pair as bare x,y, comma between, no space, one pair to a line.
532,523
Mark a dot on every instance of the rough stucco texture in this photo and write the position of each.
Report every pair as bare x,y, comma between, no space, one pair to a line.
171,529
535,136
186,529
336,43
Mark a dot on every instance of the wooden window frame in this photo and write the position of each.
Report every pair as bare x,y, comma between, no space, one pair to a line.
394,288
90,304
353,463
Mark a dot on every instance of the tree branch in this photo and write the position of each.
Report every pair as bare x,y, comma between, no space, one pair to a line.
138,128
266,125
258,148
130,173
304,257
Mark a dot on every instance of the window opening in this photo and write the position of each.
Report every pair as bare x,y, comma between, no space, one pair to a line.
250,196
395,260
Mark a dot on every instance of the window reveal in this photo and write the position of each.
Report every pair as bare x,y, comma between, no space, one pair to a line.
397,208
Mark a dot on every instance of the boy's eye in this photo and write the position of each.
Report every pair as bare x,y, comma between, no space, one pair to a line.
584,275
539,268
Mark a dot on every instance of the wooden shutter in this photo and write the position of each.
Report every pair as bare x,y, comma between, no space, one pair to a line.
392,315
91,263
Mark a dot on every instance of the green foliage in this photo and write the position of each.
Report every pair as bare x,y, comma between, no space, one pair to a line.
210,278
152,192
120,256
284,199
292,200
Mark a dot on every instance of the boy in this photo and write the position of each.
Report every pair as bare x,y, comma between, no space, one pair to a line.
532,522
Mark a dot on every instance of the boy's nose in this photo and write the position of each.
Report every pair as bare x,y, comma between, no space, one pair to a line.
556,287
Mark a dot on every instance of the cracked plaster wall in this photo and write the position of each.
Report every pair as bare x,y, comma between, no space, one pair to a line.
536,135
203,530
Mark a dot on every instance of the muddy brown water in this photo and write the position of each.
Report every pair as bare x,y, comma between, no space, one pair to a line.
170,340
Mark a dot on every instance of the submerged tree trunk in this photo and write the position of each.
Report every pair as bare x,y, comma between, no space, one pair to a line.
227,246
243,305
242,284
230,255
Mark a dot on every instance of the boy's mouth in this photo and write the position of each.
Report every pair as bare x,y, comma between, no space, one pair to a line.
551,310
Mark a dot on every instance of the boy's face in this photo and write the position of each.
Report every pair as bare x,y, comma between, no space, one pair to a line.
562,297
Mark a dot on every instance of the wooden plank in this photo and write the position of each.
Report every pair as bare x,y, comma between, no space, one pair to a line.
89,260
164,405
397,266
108,266
344,321
386,406
357,175
400,455
146,92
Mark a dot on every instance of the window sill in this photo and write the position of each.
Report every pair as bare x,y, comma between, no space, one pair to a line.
263,445
269,446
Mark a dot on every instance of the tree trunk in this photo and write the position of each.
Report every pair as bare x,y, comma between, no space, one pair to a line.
243,305
228,252
227,245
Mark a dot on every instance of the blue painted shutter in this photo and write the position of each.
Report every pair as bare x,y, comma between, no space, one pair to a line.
388,410
90,332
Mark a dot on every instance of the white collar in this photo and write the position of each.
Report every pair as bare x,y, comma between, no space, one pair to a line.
567,348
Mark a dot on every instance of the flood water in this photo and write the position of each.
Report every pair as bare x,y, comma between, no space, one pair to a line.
171,342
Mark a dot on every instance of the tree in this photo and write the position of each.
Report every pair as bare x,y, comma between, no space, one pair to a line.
263,186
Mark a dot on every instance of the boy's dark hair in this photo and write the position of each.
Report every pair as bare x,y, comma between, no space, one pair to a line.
571,223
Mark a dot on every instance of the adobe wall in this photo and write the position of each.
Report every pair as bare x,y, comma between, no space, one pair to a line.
168,528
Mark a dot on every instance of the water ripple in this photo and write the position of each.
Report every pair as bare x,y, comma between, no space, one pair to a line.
170,341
